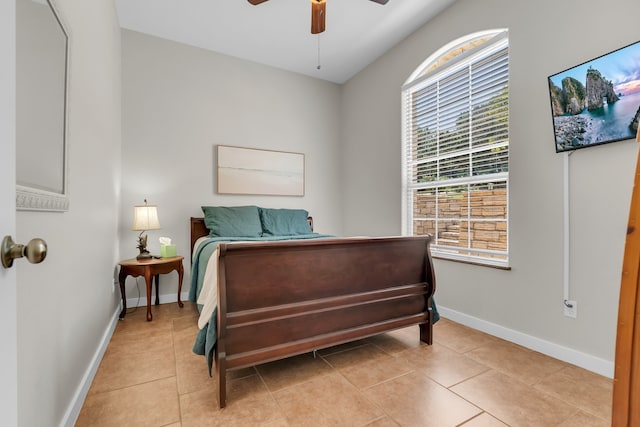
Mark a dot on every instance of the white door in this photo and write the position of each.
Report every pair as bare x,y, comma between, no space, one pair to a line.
8,340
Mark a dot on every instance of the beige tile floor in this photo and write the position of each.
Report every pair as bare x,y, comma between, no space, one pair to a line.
149,377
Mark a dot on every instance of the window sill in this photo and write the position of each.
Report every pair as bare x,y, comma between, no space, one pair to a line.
466,261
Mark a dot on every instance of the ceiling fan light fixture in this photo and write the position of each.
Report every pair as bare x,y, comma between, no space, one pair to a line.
318,15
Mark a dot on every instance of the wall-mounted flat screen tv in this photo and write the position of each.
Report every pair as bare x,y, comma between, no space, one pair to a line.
597,102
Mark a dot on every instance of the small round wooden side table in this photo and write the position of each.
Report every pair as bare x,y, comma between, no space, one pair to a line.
150,269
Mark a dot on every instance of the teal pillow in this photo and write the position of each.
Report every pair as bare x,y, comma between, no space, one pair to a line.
284,222
232,221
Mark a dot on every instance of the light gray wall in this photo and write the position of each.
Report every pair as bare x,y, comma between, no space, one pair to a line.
65,304
179,102
545,37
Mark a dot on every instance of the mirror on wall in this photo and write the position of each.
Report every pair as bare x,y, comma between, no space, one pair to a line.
41,107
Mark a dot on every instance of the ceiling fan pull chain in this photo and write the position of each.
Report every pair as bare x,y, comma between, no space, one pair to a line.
318,67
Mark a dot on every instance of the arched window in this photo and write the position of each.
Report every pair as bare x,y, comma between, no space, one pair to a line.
456,149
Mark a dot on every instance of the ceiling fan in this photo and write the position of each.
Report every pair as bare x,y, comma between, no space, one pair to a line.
318,12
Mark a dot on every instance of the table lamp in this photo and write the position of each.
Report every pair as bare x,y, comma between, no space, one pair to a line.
144,218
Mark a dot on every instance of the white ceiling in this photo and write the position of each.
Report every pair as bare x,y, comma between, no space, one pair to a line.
278,32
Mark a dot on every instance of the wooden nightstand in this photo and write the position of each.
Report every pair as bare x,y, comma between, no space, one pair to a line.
149,269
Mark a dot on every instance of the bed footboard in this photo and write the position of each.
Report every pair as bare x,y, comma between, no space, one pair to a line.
281,299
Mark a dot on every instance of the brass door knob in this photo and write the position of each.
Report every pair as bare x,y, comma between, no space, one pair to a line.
35,251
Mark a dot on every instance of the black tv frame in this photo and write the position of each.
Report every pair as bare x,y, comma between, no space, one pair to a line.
574,131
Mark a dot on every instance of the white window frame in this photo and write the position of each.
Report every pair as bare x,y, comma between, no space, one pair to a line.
496,40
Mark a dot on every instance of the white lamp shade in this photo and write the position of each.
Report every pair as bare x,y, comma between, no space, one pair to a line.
145,218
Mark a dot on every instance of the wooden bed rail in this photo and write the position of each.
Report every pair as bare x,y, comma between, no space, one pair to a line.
626,382
280,299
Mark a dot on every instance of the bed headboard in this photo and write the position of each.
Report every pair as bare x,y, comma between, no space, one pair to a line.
198,230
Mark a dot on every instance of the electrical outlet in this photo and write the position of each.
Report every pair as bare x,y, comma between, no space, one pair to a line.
571,308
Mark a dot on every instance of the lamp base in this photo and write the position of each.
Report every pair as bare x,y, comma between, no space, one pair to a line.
142,246
144,256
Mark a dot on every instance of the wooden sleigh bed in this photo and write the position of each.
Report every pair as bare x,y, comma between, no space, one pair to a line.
280,299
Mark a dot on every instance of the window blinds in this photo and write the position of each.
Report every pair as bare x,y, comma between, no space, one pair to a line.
456,155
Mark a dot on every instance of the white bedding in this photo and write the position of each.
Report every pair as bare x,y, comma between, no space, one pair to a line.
209,294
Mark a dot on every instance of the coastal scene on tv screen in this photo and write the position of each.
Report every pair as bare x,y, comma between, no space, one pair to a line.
598,101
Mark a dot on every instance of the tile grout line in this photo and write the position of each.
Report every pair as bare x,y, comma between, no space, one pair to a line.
175,361
363,395
478,416
469,401
280,409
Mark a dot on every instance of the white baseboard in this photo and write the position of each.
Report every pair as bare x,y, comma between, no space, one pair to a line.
72,412
583,360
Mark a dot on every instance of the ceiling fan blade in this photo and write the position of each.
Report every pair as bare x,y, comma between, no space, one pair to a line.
256,2
380,1
318,15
